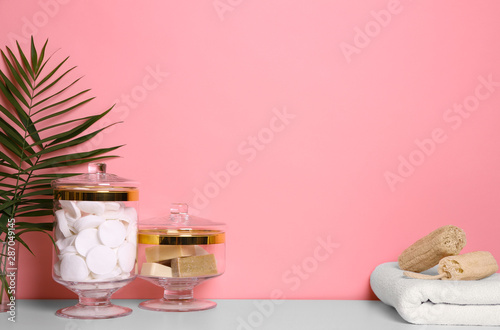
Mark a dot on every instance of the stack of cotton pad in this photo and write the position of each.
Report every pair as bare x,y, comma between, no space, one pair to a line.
96,241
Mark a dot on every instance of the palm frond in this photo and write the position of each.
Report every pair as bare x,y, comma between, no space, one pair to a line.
37,138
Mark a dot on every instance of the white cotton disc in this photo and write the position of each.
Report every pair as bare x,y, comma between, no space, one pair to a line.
126,256
88,221
96,208
112,206
70,219
69,250
113,215
129,215
131,227
71,209
113,210
115,272
132,233
62,223
73,268
124,276
57,268
86,240
112,233
71,222
57,232
125,225
63,244
101,260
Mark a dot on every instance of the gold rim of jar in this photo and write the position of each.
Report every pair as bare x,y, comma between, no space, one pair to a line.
181,237
101,195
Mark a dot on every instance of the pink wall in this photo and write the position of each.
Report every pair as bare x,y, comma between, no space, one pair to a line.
388,127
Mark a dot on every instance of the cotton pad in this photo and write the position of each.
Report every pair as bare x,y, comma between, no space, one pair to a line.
102,235
86,240
57,233
112,233
113,210
130,215
115,272
96,208
62,244
57,268
101,260
126,256
73,268
72,211
63,223
132,233
112,206
69,250
88,221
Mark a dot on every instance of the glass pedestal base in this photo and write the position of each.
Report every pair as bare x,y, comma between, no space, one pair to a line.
180,305
80,311
177,295
94,300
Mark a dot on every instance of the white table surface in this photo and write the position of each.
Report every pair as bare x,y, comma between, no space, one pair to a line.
229,314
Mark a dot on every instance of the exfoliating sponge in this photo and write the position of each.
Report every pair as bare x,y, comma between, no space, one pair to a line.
465,267
429,250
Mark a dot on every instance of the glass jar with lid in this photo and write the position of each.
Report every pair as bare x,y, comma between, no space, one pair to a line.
178,252
95,235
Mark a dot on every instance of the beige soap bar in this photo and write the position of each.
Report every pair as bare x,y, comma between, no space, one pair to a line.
163,252
199,251
194,266
154,269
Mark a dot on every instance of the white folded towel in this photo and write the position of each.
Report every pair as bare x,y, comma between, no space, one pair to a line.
437,301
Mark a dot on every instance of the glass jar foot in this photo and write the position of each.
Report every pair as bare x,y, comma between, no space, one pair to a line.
80,311
177,305
94,300
177,297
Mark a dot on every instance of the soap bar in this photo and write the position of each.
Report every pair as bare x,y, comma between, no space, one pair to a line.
164,252
194,266
198,251
154,269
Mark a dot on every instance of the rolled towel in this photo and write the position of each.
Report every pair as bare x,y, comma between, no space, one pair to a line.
438,302
427,251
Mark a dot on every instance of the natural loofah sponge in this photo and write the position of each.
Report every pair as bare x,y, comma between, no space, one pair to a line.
466,267
429,250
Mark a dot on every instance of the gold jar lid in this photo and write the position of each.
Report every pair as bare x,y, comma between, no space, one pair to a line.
100,194
181,237
96,185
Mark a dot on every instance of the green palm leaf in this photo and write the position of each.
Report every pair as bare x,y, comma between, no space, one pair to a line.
20,68
33,90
